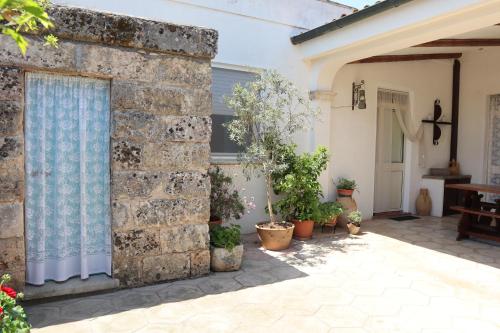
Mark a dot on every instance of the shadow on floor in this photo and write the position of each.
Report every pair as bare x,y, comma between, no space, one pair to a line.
259,268
438,234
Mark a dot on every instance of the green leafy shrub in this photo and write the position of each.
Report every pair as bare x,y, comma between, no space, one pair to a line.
225,237
355,218
300,186
225,201
346,184
329,211
12,316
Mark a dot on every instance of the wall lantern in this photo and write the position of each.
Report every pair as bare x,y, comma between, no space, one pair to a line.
358,95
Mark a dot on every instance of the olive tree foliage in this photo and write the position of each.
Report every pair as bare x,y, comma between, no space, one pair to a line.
268,112
22,16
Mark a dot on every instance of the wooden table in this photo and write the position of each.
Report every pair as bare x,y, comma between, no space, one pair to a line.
478,216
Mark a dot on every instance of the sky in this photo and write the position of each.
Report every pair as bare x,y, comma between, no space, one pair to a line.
357,3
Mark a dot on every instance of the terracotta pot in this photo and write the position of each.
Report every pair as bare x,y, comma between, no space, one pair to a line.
303,229
353,229
345,193
332,222
275,239
222,260
349,205
423,204
213,222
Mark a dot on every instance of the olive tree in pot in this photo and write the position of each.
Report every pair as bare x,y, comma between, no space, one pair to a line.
301,190
225,201
268,112
226,250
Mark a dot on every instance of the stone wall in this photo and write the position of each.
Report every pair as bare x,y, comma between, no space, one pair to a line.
160,107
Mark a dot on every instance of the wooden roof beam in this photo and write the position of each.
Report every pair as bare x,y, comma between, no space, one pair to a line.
450,42
407,57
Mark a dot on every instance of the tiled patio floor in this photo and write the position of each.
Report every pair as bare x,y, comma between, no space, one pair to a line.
396,277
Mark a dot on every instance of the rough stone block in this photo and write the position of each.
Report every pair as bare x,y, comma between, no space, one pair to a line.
166,267
121,218
126,31
177,155
127,155
135,184
10,148
200,263
143,127
136,242
11,85
127,270
152,98
170,212
11,220
11,115
184,238
11,181
187,184
12,254
38,55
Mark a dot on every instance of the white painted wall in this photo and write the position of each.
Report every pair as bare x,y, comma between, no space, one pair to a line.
252,34
480,78
354,132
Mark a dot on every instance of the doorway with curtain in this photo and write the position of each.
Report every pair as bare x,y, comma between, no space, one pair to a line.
67,201
493,144
394,127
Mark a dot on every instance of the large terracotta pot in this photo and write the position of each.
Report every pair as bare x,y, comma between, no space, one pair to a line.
303,229
222,260
349,205
275,239
344,192
423,203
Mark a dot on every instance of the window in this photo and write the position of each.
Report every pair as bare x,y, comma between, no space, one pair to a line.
223,81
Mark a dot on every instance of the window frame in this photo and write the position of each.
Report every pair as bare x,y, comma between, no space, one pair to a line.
229,158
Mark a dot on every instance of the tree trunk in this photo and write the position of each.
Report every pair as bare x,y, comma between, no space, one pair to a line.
269,191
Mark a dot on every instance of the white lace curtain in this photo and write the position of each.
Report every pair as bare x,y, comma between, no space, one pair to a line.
399,102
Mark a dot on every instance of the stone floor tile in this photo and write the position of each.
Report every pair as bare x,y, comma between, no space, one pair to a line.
126,321
341,316
300,324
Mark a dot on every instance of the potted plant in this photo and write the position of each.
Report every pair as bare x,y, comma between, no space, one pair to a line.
226,250
301,190
329,212
12,316
345,187
354,222
225,201
268,112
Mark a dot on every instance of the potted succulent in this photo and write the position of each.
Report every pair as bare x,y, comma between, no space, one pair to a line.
345,187
268,112
225,201
12,315
354,222
301,190
226,250
329,212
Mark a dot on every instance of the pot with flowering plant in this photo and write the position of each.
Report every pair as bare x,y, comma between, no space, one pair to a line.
12,316
354,222
268,113
225,201
329,213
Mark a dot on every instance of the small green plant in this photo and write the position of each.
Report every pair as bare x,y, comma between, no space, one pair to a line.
346,184
355,218
300,185
21,16
329,211
12,316
225,201
225,237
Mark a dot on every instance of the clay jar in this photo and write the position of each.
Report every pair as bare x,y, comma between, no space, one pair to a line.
423,203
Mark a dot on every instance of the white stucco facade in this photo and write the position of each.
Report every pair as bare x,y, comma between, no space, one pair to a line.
255,34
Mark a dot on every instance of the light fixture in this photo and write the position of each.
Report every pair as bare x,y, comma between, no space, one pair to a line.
358,95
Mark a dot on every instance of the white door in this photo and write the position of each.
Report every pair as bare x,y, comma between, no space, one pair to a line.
493,162
389,171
